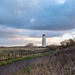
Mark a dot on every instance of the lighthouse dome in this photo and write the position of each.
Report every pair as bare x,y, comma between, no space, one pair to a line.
43,35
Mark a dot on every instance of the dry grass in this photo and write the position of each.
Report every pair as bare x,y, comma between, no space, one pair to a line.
61,63
16,52
5,62
15,49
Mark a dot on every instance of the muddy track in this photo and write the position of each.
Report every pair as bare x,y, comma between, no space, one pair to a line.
13,67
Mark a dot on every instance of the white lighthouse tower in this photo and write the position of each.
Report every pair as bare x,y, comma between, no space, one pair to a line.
43,40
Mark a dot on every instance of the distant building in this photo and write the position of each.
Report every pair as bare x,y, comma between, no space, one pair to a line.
43,40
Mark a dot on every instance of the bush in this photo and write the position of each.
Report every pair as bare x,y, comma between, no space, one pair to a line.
68,43
52,47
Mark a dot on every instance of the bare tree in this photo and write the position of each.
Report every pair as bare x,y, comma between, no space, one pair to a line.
30,45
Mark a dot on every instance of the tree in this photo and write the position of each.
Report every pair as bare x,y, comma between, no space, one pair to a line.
52,47
30,45
67,43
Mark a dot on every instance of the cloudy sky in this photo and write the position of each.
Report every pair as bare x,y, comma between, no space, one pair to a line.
24,21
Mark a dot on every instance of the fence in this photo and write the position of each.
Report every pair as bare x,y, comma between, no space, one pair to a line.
11,55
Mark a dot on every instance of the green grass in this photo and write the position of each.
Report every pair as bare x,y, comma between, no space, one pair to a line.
26,70
2,63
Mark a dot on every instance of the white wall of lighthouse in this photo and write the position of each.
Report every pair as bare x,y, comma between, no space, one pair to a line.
43,40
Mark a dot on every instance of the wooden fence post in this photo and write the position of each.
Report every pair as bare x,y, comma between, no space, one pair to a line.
8,55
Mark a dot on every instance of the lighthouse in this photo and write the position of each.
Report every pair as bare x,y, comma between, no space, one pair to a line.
43,40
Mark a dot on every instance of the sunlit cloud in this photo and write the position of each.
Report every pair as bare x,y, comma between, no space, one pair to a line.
61,1
32,20
12,36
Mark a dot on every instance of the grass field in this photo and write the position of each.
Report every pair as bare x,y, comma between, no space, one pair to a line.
5,62
61,63
16,52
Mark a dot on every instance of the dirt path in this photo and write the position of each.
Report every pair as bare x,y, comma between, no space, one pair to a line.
13,67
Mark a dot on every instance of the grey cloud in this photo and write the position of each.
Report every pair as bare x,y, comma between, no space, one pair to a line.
49,14
6,32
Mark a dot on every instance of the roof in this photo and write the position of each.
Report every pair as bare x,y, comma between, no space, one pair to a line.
43,35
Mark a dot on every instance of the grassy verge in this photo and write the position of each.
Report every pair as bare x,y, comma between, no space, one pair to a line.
2,63
26,70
